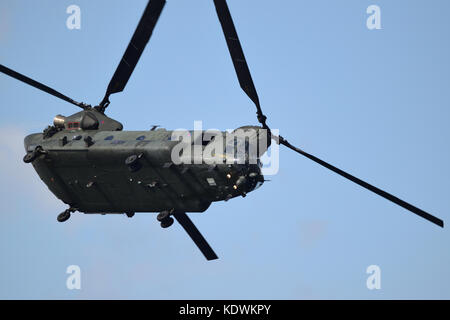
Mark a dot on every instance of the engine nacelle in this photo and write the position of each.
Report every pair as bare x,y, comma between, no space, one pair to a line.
59,121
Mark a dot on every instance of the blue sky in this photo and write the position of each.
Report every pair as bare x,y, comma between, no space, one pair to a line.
374,103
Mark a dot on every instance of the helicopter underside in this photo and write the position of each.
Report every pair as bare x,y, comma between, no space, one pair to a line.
106,189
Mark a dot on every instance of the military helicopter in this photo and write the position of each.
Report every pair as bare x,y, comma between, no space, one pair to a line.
93,166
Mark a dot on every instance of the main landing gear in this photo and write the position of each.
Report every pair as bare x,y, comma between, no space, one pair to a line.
165,218
65,215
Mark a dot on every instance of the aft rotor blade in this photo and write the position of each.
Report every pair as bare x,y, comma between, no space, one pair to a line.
237,56
366,185
195,235
39,86
135,48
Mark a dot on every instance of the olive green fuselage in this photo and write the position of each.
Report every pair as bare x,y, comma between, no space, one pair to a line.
93,177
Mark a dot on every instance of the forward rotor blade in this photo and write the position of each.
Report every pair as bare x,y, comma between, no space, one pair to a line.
195,235
134,50
237,56
39,86
364,184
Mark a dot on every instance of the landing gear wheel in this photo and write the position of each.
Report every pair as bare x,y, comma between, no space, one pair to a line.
130,214
167,222
162,216
63,216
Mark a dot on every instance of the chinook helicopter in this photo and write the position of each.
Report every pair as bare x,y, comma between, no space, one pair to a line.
93,166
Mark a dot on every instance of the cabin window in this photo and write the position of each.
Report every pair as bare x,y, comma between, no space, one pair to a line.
140,138
109,138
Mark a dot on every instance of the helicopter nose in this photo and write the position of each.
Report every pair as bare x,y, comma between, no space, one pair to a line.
249,182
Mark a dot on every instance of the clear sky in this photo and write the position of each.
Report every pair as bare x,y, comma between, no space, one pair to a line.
372,102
